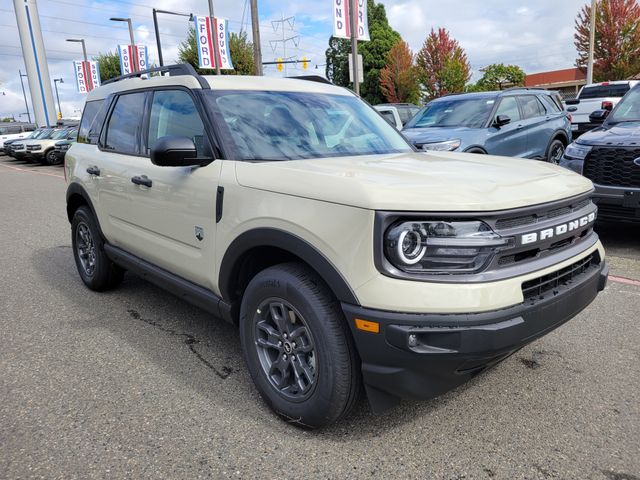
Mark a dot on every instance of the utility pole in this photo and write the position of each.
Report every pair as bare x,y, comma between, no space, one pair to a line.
592,41
214,34
353,5
26,105
255,29
295,38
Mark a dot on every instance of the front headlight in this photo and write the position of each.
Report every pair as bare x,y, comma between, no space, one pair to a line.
447,146
442,247
577,151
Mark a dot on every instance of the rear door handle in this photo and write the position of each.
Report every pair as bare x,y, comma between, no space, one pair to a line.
142,180
93,171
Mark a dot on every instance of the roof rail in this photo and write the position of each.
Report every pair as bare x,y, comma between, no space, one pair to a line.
313,78
177,69
523,88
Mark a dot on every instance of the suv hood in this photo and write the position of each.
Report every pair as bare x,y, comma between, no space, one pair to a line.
446,181
435,134
618,134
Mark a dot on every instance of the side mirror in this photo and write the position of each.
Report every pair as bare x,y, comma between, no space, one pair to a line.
502,120
599,116
174,151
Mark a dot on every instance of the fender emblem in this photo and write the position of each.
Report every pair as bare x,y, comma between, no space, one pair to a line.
637,161
199,233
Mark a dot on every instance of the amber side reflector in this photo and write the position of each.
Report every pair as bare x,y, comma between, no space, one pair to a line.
367,326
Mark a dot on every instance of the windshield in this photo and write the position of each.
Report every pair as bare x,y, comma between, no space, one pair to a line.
468,112
43,134
628,110
300,125
59,134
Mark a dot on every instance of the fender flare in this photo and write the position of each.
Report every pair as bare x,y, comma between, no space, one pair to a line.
77,189
271,237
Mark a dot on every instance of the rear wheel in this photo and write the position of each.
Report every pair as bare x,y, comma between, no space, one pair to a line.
297,347
555,151
95,269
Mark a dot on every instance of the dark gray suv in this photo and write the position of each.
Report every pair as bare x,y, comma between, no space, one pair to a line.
516,123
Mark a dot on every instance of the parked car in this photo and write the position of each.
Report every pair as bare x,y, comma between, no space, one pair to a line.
595,96
14,131
43,149
610,157
61,149
18,149
526,123
343,255
397,114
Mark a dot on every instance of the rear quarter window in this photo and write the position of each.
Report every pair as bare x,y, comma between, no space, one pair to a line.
600,91
92,119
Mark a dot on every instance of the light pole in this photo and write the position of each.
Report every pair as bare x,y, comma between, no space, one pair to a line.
133,42
592,38
26,105
155,26
55,84
214,34
85,66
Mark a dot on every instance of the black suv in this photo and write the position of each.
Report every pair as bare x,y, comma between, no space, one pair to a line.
610,157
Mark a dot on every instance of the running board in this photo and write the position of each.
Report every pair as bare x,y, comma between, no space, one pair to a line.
184,289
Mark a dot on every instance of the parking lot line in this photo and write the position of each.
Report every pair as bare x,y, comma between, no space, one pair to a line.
626,281
31,171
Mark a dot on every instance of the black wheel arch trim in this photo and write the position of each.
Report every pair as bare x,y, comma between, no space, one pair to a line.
271,237
77,189
475,147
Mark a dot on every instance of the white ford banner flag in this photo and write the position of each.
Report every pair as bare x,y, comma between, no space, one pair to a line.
341,23
205,39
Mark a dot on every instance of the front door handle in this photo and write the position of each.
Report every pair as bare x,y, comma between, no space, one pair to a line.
93,171
142,180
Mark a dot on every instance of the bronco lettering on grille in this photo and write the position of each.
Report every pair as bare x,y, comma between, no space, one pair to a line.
563,228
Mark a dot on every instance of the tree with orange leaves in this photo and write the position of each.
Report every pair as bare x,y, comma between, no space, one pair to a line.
399,77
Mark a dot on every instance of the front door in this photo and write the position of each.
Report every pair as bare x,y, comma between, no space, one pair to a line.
172,217
508,140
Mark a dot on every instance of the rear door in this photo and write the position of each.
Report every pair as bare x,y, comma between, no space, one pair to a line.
538,129
509,140
171,221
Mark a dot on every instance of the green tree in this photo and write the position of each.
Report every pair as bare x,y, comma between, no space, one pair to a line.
240,49
374,54
498,76
442,64
617,39
109,65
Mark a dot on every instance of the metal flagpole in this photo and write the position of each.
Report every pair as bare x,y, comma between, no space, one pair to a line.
354,44
214,33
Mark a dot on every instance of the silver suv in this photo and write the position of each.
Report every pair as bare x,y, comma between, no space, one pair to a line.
292,209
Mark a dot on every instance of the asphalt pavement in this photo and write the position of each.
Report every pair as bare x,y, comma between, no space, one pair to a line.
135,383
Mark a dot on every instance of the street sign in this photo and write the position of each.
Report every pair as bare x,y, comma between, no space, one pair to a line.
360,69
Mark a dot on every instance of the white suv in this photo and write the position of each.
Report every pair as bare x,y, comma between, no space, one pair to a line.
291,208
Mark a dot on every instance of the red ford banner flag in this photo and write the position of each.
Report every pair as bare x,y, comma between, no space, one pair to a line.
206,47
128,55
87,75
341,24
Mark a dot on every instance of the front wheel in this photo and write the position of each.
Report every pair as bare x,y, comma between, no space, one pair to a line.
51,158
555,151
297,347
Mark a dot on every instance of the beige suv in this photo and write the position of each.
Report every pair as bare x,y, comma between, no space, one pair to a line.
290,208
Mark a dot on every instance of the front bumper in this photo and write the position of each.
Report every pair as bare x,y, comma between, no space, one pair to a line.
424,355
617,203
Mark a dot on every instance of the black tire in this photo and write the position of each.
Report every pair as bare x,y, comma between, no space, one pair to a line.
95,269
333,387
476,150
50,157
555,151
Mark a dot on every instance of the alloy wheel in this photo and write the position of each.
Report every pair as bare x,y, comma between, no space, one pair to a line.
86,249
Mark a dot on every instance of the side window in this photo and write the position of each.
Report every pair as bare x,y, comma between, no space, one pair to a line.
125,123
93,116
174,113
509,106
531,106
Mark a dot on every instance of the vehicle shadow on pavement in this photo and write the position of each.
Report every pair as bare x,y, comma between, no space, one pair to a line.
199,351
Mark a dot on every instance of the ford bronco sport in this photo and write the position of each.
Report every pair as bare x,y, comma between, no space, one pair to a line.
292,209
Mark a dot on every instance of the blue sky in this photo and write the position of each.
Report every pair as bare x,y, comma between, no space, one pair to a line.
535,35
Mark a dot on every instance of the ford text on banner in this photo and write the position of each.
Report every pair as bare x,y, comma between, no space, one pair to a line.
341,24
127,56
205,42
87,75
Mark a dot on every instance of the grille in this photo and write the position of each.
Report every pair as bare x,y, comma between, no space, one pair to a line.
613,166
506,223
537,287
33,147
616,211
17,146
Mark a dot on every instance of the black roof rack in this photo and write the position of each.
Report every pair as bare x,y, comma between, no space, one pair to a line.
313,78
177,69
523,88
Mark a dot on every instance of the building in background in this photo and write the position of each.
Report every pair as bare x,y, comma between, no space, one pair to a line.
567,81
